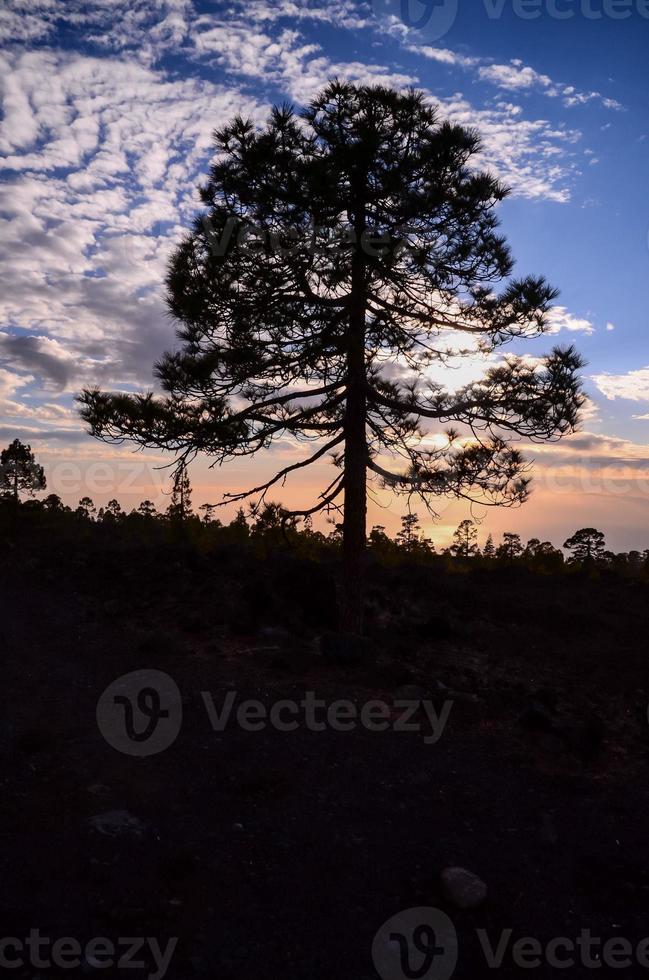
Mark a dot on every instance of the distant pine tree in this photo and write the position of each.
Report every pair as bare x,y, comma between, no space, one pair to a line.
410,532
587,546
180,508
19,472
147,509
511,547
208,511
112,513
86,508
465,540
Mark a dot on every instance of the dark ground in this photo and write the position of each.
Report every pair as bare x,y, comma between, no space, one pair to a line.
275,855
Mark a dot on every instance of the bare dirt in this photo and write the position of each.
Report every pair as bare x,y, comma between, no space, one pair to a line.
279,855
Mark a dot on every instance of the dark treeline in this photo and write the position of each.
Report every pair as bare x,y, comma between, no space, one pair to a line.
269,525
269,529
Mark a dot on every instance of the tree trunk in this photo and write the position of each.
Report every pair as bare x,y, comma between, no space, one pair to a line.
354,522
355,517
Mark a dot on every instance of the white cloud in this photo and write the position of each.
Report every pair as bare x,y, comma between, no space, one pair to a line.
10,382
143,28
299,68
633,386
83,248
443,55
561,319
531,156
514,76
344,13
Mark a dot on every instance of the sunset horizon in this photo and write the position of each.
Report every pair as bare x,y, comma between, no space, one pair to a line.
99,201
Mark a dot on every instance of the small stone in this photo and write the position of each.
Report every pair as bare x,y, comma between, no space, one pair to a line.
462,888
117,823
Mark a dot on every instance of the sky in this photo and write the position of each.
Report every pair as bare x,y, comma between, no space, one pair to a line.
108,108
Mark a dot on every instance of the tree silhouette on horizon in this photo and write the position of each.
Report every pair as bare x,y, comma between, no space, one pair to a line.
19,471
586,545
180,507
344,250
465,540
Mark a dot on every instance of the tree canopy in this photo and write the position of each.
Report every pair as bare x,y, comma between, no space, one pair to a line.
587,545
19,471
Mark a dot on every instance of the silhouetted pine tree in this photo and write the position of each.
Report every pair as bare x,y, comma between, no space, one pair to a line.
19,471
465,540
337,244
587,545
86,508
410,532
147,509
180,508
511,547
489,549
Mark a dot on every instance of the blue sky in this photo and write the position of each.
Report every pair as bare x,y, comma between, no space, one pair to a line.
107,110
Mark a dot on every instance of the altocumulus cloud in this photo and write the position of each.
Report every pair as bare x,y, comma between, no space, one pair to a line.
102,144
